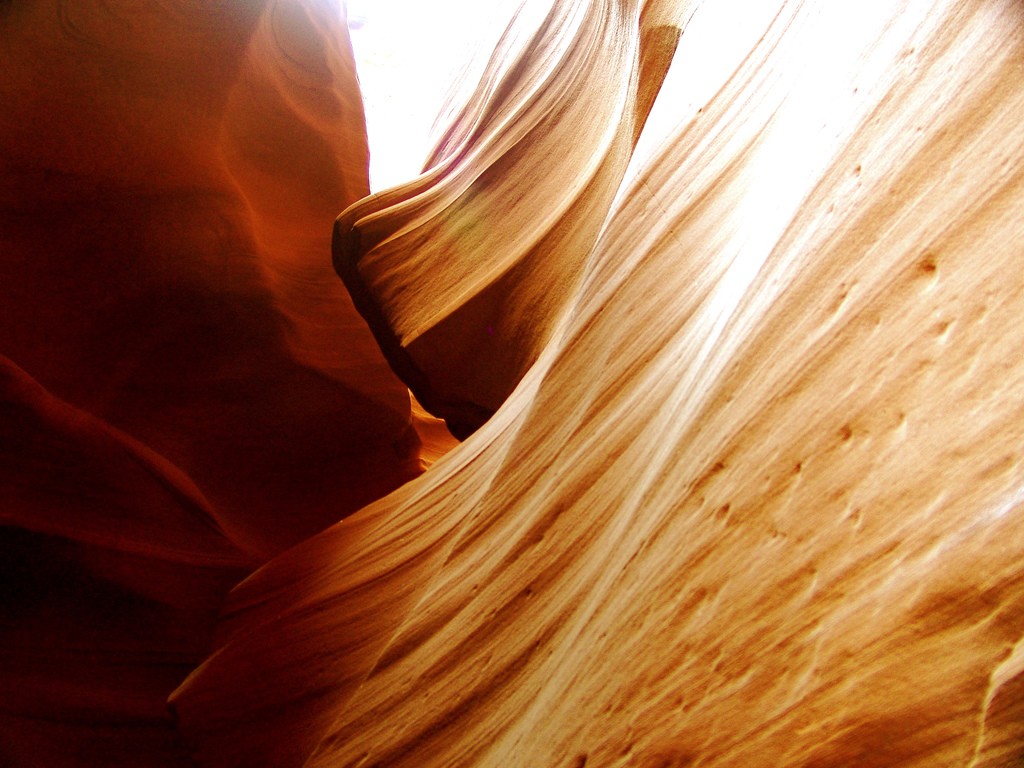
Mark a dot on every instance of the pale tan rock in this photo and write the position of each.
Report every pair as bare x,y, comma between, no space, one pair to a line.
464,272
758,503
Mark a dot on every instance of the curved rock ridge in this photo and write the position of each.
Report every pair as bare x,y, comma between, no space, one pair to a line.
760,500
169,180
463,272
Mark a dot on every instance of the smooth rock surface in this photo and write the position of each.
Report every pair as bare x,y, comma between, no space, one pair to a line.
760,500
185,388
114,567
464,273
168,183
757,498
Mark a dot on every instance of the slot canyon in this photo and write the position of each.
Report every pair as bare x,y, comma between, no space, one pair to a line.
671,415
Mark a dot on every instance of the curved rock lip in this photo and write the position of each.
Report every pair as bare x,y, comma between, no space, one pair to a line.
465,272
462,417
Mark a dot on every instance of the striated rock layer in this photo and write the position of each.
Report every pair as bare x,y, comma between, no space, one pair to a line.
464,272
744,485
759,501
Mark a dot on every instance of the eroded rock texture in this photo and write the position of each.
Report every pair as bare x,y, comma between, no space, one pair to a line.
756,495
464,272
759,500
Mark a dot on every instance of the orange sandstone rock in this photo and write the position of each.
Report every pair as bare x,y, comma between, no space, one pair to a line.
464,272
756,499
169,179
758,502
185,388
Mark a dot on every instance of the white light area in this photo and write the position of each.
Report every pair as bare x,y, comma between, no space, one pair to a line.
409,53
717,37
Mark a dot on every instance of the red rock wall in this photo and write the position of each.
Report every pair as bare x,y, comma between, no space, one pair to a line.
186,387
755,496
170,179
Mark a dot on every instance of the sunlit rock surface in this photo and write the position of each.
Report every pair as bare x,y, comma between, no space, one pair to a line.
186,389
757,498
464,272
760,500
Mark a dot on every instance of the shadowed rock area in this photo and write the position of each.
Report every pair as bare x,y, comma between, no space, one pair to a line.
742,482
187,390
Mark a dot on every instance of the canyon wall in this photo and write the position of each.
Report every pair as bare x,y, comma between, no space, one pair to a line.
186,387
742,482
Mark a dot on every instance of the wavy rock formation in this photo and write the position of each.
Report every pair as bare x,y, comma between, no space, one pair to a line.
170,175
185,388
752,493
113,570
759,500
464,272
